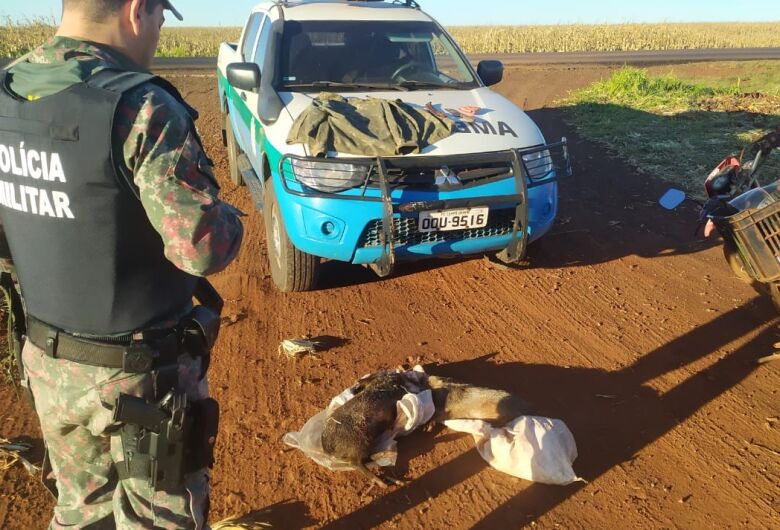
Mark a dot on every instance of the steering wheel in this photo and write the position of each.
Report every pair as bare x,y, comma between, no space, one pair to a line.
407,66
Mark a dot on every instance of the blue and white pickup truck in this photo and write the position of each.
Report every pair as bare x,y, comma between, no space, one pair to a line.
489,187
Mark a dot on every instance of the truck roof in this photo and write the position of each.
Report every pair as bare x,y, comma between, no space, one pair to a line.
345,10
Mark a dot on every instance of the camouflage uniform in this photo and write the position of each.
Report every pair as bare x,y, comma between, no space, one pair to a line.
201,235
72,401
175,178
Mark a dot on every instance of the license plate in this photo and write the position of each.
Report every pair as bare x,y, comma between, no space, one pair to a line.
445,220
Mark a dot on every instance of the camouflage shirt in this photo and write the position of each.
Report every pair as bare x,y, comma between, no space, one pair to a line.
162,151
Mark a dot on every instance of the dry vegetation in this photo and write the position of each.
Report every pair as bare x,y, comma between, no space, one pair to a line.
16,39
615,37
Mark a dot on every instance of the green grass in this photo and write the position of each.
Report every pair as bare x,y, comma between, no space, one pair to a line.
673,128
744,76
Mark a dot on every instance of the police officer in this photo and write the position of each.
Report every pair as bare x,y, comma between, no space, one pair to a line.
110,209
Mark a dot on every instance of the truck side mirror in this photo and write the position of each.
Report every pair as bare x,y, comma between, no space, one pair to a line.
672,198
244,76
491,72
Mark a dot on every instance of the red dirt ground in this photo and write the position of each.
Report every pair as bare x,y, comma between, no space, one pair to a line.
626,327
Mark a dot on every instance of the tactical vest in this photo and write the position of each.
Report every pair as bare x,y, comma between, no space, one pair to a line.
87,257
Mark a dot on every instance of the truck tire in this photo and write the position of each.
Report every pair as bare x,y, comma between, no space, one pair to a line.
291,269
233,152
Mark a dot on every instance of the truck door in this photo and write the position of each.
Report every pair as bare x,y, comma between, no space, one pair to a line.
256,129
243,106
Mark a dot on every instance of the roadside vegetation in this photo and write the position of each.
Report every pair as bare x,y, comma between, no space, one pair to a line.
615,37
744,76
675,128
17,38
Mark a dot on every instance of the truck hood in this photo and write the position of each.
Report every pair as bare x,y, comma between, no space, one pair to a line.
499,124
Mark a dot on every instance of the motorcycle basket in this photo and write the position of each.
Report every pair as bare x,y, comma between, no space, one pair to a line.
756,233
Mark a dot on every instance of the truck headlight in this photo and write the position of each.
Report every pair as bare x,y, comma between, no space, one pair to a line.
327,176
538,164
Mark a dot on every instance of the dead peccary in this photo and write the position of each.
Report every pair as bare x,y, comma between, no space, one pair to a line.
455,400
352,430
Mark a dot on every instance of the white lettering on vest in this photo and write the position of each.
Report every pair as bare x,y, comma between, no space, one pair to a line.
31,163
15,169
36,201
34,158
44,204
8,190
37,165
23,197
23,156
55,168
14,202
33,193
45,166
5,159
62,204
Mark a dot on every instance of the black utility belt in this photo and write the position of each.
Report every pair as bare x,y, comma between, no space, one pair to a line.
158,348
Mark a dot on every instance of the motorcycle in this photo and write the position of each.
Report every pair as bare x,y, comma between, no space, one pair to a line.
745,213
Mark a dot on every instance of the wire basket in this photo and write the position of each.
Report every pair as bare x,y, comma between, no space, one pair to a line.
756,233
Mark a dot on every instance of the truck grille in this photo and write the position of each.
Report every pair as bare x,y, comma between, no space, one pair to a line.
424,179
405,233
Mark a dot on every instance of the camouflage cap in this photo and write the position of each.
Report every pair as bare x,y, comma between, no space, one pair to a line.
169,6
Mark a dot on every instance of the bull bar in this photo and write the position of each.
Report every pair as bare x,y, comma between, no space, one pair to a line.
530,167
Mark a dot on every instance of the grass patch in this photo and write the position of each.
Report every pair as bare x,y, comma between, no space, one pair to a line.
673,128
744,76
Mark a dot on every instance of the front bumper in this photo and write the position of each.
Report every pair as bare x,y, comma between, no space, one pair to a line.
379,225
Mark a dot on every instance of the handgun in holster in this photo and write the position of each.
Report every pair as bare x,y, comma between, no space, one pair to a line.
163,441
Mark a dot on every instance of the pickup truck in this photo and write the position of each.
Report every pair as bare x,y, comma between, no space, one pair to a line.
489,187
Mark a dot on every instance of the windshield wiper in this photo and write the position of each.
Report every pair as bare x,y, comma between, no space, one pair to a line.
320,85
419,85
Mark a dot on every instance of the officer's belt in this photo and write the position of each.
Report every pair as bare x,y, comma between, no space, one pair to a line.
157,348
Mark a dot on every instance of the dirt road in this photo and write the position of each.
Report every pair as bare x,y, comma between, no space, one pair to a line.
625,327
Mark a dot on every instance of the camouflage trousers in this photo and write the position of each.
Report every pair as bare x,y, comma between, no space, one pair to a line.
74,403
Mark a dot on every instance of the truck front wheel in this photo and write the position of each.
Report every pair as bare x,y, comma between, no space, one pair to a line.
233,152
291,269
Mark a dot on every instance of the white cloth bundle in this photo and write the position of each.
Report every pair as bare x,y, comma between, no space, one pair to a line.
529,447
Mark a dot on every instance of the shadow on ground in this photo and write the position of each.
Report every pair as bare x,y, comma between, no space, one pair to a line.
608,431
285,514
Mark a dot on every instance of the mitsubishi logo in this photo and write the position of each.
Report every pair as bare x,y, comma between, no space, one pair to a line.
446,176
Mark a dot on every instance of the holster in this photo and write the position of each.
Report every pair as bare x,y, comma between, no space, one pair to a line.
204,322
200,329
164,441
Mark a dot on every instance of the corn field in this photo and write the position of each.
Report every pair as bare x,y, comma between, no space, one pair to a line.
615,37
18,38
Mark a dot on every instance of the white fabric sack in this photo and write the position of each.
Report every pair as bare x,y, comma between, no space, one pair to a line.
413,410
529,447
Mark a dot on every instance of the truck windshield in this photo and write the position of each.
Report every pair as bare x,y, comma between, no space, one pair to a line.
370,55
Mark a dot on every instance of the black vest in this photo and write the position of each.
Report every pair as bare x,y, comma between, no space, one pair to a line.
87,257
